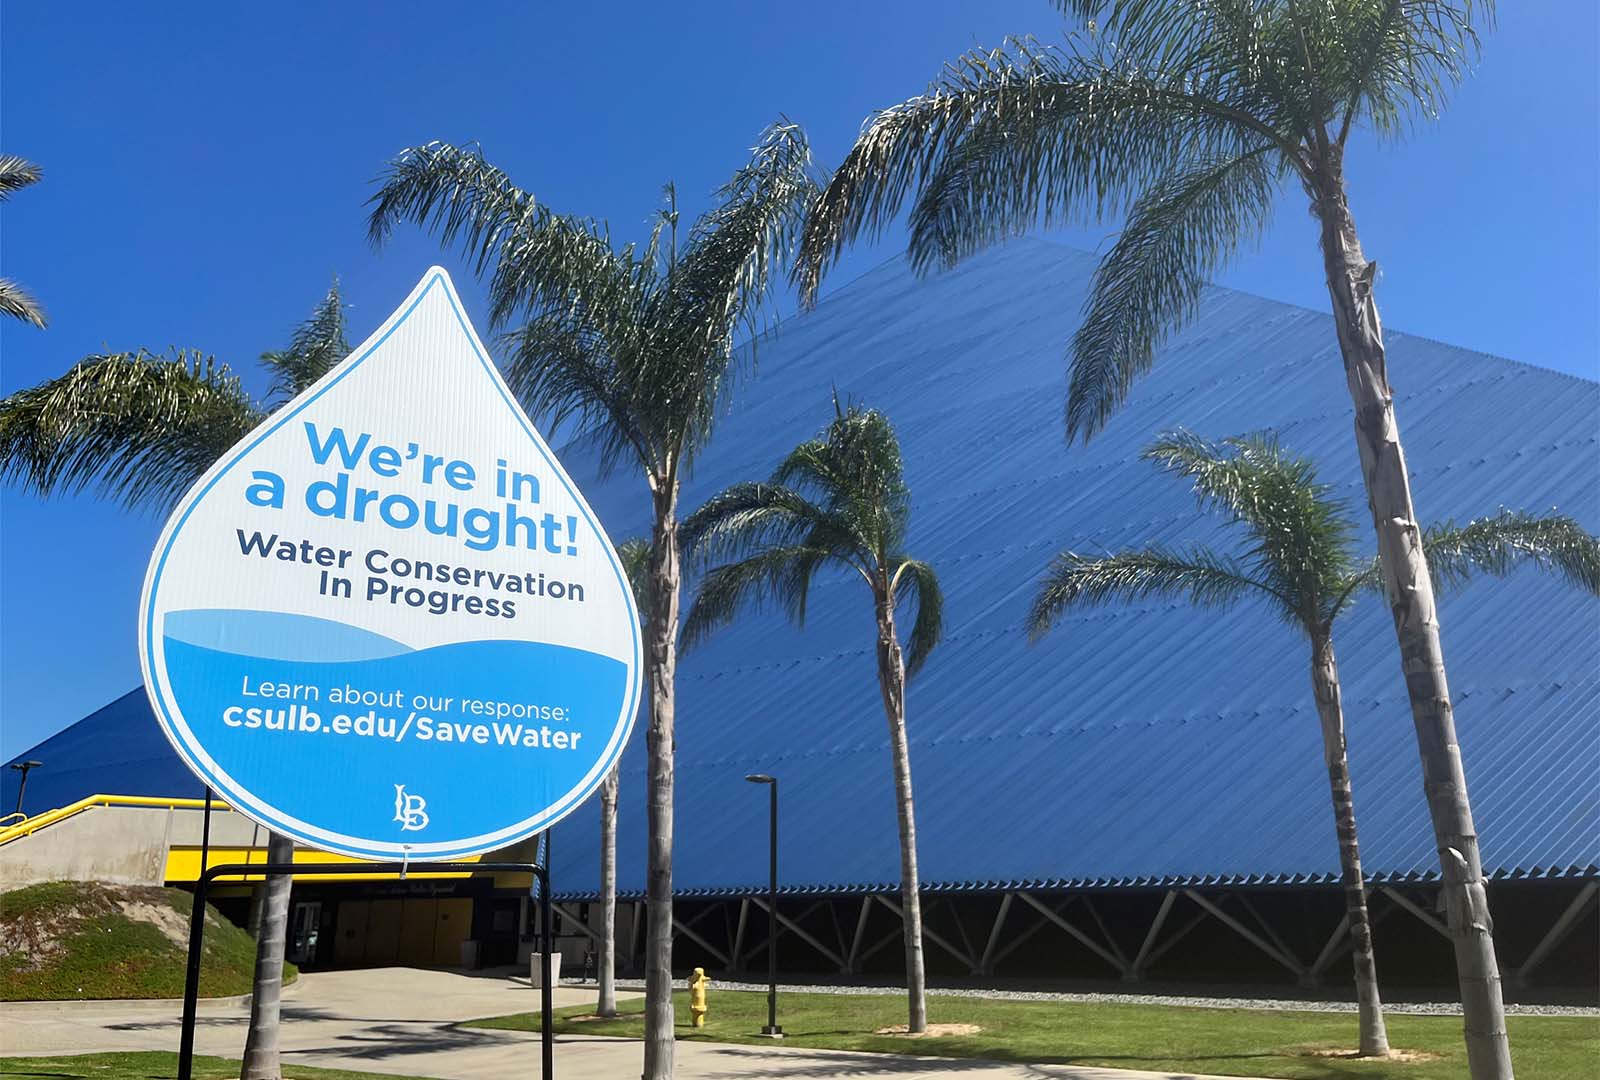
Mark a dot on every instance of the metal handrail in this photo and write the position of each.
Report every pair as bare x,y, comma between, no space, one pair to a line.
29,826
197,922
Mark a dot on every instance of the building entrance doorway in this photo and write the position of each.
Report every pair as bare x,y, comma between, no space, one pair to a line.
305,925
414,931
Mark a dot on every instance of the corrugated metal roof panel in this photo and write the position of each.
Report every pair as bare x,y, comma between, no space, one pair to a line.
116,750
1141,745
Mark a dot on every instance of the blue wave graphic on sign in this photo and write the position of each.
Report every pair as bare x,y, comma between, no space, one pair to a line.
276,635
395,727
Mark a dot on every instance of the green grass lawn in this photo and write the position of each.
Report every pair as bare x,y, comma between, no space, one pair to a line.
157,1065
65,940
1239,1042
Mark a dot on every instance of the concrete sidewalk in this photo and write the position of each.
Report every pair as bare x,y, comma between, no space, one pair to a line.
406,1021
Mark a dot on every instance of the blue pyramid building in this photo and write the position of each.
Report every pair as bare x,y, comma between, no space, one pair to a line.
1138,749
1139,745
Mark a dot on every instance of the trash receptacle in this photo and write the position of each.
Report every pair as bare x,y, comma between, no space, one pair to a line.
469,954
555,969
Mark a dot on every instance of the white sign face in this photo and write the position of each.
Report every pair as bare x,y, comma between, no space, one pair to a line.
386,623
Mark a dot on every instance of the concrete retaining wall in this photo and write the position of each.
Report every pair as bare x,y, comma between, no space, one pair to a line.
122,844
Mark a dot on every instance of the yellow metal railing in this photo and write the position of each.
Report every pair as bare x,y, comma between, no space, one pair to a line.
183,864
183,861
28,826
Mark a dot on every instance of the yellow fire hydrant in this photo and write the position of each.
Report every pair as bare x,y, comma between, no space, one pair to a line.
697,996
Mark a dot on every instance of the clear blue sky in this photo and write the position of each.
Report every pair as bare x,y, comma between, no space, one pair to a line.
205,166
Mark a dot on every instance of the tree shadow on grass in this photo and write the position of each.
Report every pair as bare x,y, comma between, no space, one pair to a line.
388,1040
911,1060
289,1014
752,1062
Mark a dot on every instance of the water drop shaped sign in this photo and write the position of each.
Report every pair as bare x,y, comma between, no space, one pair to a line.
386,623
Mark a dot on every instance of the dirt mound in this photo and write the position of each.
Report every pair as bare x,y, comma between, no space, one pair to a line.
1403,1056
933,1031
74,939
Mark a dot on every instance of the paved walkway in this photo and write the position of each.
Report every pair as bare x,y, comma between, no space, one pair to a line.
405,1021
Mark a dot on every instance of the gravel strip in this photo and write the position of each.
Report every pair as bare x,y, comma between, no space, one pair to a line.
1413,1008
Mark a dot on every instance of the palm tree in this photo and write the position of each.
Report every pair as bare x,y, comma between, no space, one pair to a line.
839,501
16,174
261,1056
635,555
1300,560
635,349
1190,118
141,428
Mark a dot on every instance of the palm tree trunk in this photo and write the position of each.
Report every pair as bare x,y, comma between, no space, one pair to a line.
660,666
892,685
606,962
1330,711
266,989
258,899
1410,594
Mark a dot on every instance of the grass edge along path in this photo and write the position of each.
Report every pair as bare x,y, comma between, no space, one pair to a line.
1184,1039
162,1065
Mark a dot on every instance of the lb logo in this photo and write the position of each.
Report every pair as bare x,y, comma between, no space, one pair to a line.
410,810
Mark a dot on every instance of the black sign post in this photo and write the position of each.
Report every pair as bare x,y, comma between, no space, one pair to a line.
191,983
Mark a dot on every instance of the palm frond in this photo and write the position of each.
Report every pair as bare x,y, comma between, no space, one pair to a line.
750,516
1200,577
583,299
721,283
18,303
561,370
839,499
736,250
1301,537
540,259
1263,54
1185,114
635,555
1095,134
778,576
15,174
634,346
318,344
140,428
1498,545
1183,228
1022,135
569,262
1177,27
1385,62
453,192
920,585
1397,61
855,469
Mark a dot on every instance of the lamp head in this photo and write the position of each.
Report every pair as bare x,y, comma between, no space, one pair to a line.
26,764
761,778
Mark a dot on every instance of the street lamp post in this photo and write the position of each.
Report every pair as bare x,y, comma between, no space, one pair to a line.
772,1030
23,767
